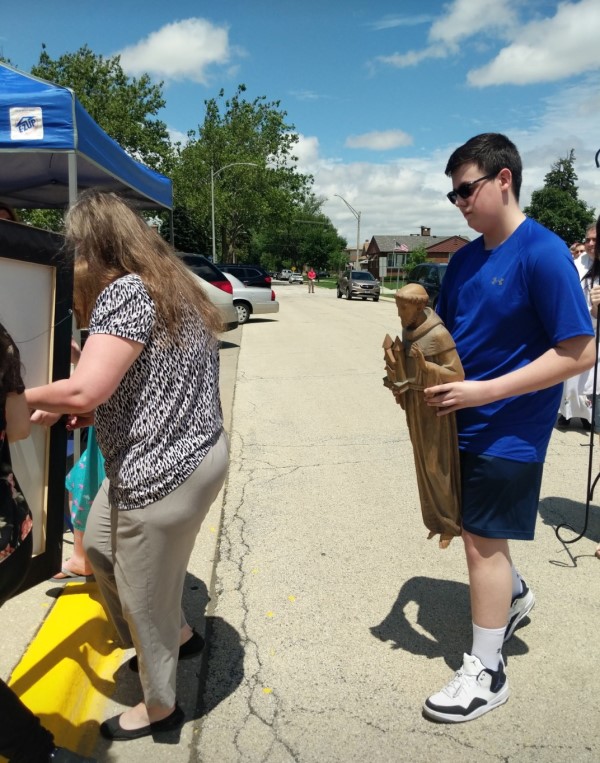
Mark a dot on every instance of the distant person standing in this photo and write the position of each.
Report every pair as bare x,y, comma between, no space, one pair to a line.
584,262
577,249
311,280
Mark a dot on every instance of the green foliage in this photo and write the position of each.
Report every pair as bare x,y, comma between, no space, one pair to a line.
562,175
249,200
338,260
304,237
557,204
416,257
189,236
124,107
48,219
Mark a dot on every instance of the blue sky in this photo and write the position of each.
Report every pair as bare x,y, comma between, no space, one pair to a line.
379,92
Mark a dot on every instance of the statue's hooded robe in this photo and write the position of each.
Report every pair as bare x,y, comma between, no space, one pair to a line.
434,438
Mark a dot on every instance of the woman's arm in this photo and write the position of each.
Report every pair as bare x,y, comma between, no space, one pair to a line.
17,417
104,360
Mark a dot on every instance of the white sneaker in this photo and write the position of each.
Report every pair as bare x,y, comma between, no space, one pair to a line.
473,691
520,607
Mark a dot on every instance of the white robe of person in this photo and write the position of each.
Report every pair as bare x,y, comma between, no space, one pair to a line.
588,387
576,400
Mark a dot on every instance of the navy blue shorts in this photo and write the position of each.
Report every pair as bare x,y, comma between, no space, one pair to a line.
499,497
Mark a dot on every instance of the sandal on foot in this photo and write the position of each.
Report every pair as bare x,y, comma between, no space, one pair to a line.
66,576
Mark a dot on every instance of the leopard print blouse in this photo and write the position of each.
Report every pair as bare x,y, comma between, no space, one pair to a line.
165,415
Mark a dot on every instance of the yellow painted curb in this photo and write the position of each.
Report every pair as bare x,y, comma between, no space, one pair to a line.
66,675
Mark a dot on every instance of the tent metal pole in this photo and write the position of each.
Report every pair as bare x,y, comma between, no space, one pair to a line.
72,173
172,229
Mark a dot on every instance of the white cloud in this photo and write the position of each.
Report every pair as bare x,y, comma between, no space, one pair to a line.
383,140
463,19
413,57
540,50
307,150
392,22
466,18
399,196
176,136
306,95
547,50
181,50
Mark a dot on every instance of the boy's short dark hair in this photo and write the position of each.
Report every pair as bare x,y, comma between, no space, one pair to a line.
491,152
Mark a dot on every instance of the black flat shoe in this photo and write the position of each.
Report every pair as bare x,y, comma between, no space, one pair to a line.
112,729
191,648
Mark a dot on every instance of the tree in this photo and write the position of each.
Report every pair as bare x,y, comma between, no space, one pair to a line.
248,199
305,237
126,108
188,235
557,204
416,257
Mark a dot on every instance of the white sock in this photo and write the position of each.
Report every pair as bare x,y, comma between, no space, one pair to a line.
487,645
517,583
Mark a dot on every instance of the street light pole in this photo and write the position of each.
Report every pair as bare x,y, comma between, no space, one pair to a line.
213,175
357,215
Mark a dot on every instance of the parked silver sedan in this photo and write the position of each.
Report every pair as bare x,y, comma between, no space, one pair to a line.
251,300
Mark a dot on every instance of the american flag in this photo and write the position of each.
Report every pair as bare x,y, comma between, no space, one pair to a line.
400,247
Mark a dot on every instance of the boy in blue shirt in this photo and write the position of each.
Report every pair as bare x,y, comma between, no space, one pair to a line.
513,303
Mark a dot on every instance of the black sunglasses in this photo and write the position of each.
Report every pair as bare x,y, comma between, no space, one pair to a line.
465,190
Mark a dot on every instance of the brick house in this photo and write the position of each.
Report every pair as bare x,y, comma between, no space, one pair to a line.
397,249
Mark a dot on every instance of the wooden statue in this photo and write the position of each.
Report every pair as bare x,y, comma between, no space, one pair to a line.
427,356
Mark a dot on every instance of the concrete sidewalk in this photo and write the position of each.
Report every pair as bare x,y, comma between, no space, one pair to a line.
335,617
330,616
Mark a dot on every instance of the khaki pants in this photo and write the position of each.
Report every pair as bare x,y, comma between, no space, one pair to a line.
140,558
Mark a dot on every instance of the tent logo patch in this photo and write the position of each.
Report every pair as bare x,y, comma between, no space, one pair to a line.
26,123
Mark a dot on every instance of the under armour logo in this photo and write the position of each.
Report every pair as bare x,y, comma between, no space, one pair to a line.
497,281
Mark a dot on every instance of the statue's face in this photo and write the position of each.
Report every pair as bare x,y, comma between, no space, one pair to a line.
408,311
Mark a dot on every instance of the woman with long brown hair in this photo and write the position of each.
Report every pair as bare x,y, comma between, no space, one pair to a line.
148,377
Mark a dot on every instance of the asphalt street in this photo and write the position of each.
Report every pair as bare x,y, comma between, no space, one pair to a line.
330,617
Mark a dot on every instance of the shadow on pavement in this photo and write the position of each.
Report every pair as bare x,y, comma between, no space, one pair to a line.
556,511
223,665
442,626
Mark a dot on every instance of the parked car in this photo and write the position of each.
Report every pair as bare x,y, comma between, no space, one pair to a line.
358,283
296,278
251,300
430,275
284,275
322,274
249,275
215,284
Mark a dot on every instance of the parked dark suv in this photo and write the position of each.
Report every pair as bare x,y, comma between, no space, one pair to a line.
430,276
249,275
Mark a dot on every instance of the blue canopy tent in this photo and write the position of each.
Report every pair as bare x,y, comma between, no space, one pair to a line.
50,149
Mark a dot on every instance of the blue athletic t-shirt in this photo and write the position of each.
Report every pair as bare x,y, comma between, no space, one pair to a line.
504,308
